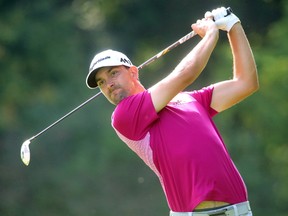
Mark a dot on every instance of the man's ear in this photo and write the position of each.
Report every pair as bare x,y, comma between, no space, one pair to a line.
134,72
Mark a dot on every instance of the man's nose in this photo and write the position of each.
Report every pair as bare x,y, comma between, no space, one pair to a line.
110,83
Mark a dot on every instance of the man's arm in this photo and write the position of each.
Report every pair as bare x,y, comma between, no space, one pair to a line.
245,78
189,68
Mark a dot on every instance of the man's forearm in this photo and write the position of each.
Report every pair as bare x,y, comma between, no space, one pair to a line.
194,63
244,67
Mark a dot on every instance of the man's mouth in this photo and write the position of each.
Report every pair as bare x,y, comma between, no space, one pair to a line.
114,91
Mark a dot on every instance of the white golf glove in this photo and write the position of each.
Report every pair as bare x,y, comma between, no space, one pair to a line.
223,18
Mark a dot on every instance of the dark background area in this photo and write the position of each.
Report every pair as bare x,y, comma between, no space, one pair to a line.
80,167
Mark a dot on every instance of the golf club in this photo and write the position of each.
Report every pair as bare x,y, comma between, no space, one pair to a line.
25,151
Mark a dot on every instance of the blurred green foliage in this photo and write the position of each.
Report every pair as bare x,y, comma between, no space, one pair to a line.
80,167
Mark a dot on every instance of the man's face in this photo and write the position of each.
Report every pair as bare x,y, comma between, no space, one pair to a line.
117,83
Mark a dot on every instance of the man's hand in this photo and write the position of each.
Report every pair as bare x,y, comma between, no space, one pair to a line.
202,27
224,19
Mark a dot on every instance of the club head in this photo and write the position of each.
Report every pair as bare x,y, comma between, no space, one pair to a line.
25,152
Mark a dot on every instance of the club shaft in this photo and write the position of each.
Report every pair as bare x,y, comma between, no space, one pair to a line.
166,50
65,116
160,54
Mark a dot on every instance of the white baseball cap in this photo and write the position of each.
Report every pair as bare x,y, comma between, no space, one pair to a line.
105,59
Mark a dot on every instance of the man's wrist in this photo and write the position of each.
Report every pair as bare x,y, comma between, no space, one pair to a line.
213,32
235,27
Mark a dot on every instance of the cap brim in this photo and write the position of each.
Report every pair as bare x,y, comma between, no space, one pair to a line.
90,80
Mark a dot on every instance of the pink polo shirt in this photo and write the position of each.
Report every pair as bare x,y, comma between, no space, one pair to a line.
182,146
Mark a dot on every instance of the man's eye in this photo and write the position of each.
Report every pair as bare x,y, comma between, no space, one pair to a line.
100,82
113,73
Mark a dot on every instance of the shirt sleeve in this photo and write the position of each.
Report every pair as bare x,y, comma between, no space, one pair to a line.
134,116
204,97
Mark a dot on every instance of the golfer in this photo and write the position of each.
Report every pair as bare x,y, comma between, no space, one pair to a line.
172,130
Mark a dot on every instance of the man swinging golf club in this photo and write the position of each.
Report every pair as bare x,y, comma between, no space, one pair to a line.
172,130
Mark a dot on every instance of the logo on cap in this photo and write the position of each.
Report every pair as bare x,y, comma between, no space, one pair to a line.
127,61
100,60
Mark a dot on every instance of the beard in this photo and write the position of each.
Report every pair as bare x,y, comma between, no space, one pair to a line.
117,94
